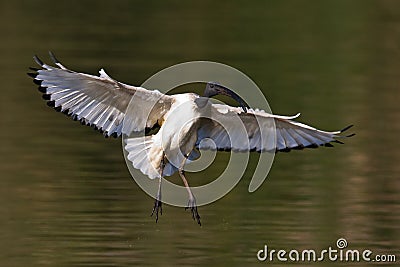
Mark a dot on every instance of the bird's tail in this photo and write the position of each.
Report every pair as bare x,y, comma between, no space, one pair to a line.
142,156
146,157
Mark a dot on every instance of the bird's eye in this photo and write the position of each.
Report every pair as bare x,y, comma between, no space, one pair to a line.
212,85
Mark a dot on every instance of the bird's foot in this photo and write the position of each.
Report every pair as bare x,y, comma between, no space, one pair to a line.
193,208
157,207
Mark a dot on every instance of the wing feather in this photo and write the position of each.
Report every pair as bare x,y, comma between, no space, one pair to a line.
99,101
263,131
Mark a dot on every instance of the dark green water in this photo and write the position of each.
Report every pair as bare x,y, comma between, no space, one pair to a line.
67,198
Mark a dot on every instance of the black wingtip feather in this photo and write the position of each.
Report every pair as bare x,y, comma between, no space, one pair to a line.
36,81
51,103
339,142
32,75
38,61
42,89
346,128
53,58
46,96
296,148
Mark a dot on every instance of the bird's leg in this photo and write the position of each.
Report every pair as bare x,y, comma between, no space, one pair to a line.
158,204
192,201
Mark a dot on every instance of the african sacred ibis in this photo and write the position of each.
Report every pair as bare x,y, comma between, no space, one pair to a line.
102,102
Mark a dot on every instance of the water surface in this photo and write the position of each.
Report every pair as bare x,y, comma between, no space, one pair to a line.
68,198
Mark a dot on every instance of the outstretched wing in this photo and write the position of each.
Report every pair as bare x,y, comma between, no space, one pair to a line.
99,101
232,129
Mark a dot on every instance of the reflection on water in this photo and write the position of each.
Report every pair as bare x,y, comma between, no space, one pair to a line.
67,196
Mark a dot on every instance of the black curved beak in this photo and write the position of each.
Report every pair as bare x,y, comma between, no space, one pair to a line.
213,89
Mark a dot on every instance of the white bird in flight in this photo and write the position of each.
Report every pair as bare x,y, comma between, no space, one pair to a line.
102,102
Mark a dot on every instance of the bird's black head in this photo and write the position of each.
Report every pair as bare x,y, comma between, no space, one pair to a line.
213,89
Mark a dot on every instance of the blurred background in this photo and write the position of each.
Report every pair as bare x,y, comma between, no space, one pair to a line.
66,195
